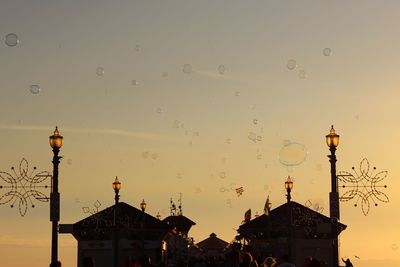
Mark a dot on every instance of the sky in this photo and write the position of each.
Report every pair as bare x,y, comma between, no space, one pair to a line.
200,98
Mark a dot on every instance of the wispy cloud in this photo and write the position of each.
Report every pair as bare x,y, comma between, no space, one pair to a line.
49,129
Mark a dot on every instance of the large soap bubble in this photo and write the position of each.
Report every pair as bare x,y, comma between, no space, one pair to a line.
291,64
11,39
292,154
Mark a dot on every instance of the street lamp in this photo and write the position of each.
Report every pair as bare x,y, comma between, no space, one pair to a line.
116,185
143,205
332,140
56,141
288,187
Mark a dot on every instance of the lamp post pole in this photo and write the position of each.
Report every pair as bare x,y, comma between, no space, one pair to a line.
56,141
332,140
116,186
143,205
288,187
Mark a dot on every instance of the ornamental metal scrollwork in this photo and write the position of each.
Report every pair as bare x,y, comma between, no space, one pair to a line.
363,186
24,186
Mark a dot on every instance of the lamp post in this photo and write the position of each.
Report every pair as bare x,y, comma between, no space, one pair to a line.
288,187
332,140
143,205
116,185
56,141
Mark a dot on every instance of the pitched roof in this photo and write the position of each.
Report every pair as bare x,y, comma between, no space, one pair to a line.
301,217
130,219
212,243
182,223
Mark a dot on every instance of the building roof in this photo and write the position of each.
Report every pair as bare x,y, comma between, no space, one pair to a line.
212,243
180,222
132,222
302,218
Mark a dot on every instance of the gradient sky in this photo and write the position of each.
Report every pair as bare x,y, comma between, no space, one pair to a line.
175,132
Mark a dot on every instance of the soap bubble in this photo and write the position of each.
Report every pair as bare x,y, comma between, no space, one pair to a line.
252,136
293,154
34,89
259,138
154,156
255,121
394,247
99,71
303,74
222,189
179,175
187,68
327,51
222,175
138,48
291,64
11,39
165,74
134,82
228,141
159,110
237,93
259,156
308,204
145,154
221,69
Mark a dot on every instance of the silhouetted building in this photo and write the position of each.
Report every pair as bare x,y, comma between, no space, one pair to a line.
291,229
137,232
213,247
178,241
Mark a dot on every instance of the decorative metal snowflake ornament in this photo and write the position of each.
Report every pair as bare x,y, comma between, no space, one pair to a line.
363,186
24,186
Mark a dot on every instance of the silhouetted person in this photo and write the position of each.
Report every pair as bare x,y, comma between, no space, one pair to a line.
246,259
284,262
88,262
55,264
269,262
347,262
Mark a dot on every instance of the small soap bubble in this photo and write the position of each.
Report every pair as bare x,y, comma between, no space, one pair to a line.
327,51
222,175
134,82
252,136
34,89
99,71
145,154
179,175
221,69
291,64
11,39
154,156
394,246
303,74
187,68
165,74
255,121
222,189
259,156
237,93
159,110
228,141
259,138
138,48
